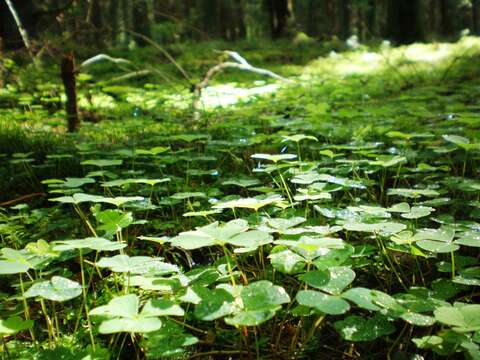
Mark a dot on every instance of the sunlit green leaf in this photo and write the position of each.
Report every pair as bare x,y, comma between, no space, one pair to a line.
137,265
328,304
357,328
13,325
56,289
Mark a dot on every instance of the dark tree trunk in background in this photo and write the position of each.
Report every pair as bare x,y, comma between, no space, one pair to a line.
67,73
404,23
209,11
330,17
279,13
101,22
241,28
312,28
225,22
344,19
432,10
95,14
446,21
371,18
360,22
188,6
230,22
125,21
141,21
475,17
94,19
113,11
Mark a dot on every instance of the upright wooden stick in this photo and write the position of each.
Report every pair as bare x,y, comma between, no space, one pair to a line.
68,77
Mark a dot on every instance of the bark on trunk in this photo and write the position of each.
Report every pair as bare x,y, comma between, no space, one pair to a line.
68,77
241,27
279,13
404,23
141,22
475,17
344,19
445,16
113,21
371,18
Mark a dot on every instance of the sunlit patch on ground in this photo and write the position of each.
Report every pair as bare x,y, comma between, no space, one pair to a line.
422,56
224,95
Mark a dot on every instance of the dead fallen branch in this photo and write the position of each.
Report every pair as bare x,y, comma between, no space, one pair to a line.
102,57
240,63
21,198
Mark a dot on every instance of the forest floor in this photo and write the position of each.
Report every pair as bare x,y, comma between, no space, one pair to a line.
334,214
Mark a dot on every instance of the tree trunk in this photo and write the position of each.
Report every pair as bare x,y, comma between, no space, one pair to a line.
475,17
241,28
361,22
446,18
210,18
344,19
67,74
432,16
94,19
125,21
404,23
225,23
141,21
312,25
279,13
113,14
371,18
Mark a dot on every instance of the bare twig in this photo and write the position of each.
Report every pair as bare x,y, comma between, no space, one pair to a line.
204,35
218,353
128,76
121,62
163,51
453,63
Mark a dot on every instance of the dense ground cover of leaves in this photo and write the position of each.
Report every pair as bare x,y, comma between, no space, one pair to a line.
337,217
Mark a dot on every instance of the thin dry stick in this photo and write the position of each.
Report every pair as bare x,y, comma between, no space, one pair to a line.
21,198
128,76
163,51
218,353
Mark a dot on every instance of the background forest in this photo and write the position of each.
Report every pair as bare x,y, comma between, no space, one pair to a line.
239,179
102,23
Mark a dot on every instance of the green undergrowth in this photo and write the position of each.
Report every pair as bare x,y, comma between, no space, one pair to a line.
338,215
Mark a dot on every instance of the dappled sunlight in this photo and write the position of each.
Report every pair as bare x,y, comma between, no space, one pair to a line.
99,101
224,95
425,53
229,94
422,56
